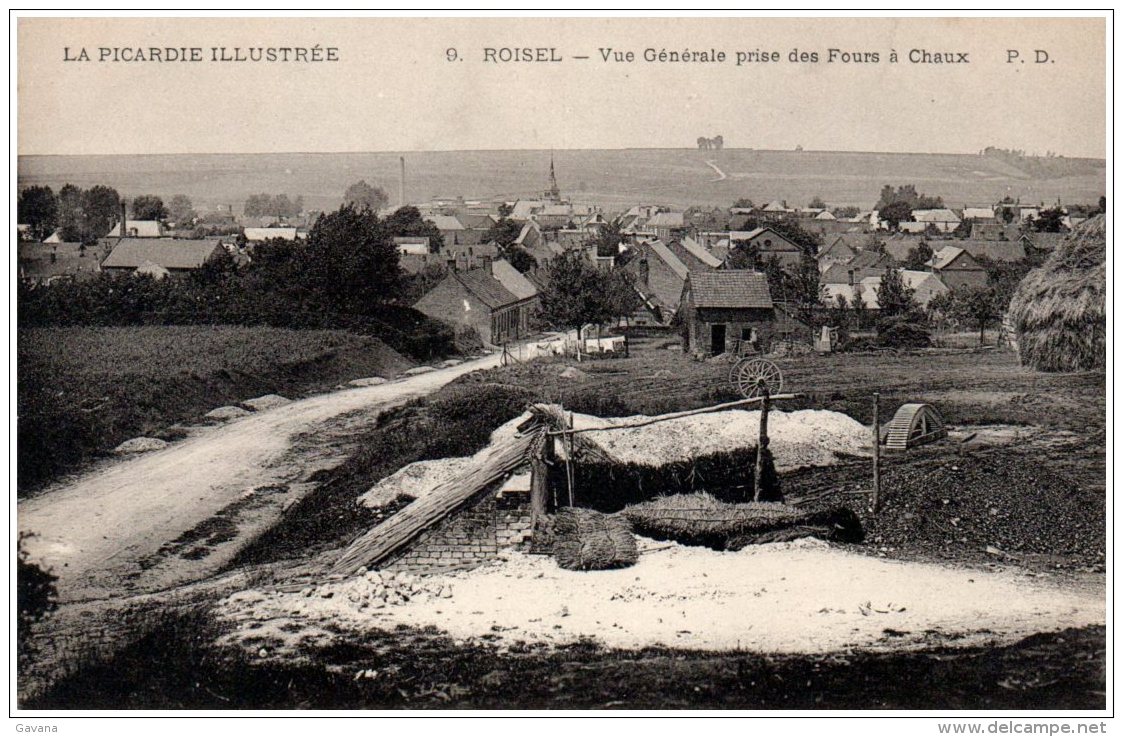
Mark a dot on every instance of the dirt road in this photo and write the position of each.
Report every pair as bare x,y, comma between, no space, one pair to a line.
103,534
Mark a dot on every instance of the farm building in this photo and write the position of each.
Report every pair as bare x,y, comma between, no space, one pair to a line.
722,307
958,268
175,257
1059,310
476,299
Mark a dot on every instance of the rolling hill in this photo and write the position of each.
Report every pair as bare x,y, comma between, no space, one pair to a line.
612,178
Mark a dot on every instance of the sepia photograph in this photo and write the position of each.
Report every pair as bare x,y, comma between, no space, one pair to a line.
562,364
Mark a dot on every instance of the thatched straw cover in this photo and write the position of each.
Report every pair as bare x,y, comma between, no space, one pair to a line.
585,540
1059,310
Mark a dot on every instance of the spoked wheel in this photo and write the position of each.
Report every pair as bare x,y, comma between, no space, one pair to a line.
753,376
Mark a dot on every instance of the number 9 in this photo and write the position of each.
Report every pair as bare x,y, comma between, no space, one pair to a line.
451,54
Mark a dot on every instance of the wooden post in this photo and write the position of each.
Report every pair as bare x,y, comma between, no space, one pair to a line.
875,497
569,461
761,448
539,485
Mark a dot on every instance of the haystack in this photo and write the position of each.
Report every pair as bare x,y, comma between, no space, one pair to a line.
585,540
1059,310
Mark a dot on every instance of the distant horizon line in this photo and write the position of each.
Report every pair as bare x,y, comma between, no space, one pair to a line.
553,150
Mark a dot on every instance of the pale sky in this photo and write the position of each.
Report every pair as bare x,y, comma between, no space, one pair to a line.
393,88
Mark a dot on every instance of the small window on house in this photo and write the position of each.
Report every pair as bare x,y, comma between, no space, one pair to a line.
767,242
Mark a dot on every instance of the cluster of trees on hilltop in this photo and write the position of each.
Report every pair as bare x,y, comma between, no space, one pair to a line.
280,205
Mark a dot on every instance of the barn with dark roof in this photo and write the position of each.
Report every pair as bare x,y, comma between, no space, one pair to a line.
720,308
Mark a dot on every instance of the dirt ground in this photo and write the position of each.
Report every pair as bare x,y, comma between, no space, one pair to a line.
122,528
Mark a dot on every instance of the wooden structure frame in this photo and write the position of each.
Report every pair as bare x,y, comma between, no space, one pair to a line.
914,424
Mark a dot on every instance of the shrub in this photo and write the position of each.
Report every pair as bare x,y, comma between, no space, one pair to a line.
35,599
903,331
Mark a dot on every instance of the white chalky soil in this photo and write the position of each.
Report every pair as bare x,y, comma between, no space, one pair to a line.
801,597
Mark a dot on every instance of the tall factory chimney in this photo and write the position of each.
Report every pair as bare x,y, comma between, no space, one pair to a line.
124,221
402,182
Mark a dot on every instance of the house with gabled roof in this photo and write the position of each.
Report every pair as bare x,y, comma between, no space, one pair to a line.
838,251
941,218
864,264
993,250
767,243
720,308
660,276
957,268
476,300
667,225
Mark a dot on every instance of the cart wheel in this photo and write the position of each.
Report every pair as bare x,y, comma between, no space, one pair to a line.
753,376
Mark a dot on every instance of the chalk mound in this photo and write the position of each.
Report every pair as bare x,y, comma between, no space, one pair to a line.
268,401
140,445
797,439
368,381
418,371
229,412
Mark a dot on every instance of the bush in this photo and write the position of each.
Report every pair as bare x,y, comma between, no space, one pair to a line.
35,599
903,331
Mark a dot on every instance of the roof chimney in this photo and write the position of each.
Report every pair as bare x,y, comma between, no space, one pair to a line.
850,277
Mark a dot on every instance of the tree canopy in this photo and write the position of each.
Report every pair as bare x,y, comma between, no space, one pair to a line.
894,297
577,292
148,207
38,208
360,195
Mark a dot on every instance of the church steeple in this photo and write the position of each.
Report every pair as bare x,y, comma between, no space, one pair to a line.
553,193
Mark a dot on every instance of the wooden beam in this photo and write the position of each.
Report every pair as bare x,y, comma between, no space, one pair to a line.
676,415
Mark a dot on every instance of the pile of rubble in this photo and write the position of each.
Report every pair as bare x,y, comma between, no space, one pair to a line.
379,589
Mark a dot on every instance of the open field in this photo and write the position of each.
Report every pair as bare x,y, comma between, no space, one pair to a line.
1023,502
611,178
82,391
